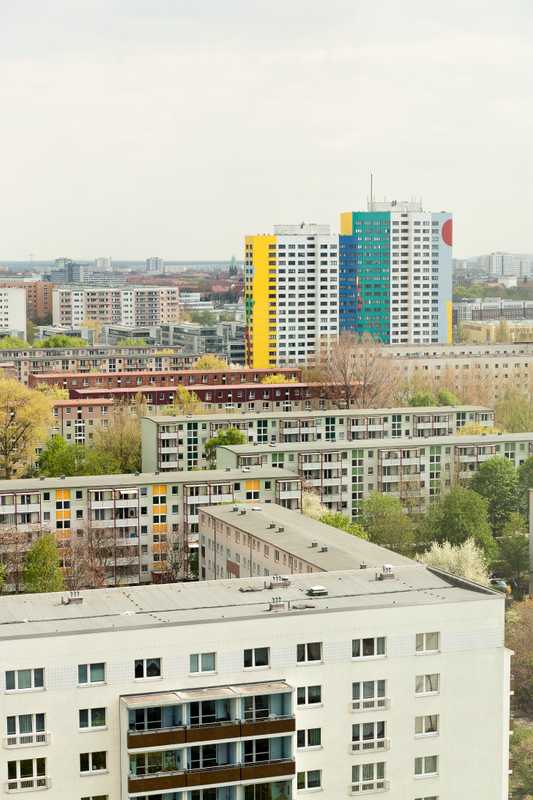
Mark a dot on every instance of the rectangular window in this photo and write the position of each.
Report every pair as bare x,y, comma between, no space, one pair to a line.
96,797
368,736
312,651
368,777
427,642
91,673
92,717
309,695
25,729
257,657
368,648
29,773
312,779
22,679
427,765
427,684
93,762
202,662
368,695
147,668
310,737
427,725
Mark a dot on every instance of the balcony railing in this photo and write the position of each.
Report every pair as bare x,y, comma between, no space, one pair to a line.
363,787
365,745
27,784
210,731
370,703
27,739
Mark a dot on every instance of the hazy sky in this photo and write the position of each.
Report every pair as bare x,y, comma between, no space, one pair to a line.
173,127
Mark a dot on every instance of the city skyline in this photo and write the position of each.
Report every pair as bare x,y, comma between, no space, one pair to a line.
130,126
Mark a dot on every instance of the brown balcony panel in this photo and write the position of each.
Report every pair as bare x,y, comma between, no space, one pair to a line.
267,769
159,782
222,730
156,738
222,774
264,727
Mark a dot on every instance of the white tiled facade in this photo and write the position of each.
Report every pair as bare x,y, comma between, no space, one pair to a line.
13,310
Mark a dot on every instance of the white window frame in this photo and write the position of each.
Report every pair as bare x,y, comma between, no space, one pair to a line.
306,745
421,643
361,745
375,783
29,738
306,787
422,762
88,668
92,771
199,663
369,703
421,723
253,652
17,672
144,662
425,676
306,659
34,781
378,641
90,726
305,689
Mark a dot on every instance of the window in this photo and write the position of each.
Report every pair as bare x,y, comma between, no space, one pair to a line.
312,737
368,736
309,695
427,642
92,717
257,657
202,662
427,765
148,668
91,673
93,762
432,797
368,777
427,725
312,779
20,679
368,694
25,729
427,684
26,774
312,651
96,797
368,648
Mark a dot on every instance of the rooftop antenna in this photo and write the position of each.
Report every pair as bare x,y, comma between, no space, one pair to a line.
371,191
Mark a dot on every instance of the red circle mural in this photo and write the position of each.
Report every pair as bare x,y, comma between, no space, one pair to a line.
447,232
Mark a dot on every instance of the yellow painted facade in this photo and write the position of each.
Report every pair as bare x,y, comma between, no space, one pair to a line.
449,312
262,340
346,223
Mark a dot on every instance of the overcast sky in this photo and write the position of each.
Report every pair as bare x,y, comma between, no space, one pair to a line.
174,127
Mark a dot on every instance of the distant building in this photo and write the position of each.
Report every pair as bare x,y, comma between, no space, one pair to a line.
126,305
13,311
38,297
68,271
104,263
395,279
513,330
155,264
492,308
291,295
507,264
192,301
225,339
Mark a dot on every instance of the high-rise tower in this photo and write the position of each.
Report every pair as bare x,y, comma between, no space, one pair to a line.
395,276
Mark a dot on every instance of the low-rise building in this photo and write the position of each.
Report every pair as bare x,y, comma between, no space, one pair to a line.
129,524
173,443
76,420
127,304
390,680
343,474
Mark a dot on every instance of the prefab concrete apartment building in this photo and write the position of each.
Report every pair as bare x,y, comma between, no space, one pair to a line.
344,474
175,443
392,679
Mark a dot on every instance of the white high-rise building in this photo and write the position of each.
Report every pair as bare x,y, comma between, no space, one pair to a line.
291,291
13,310
377,676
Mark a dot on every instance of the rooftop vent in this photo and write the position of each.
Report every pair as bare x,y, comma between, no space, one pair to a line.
317,591
235,508
362,565
281,529
277,582
72,598
324,549
256,508
314,544
271,525
246,469
277,604
242,511
386,573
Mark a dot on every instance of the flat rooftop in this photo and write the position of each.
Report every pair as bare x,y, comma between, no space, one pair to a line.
377,444
344,551
180,604
332,412
132,479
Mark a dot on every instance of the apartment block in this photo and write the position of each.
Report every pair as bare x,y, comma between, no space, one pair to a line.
174,443
131,520
127,305
396,273
391,679
13,311
76,420
38,297
343,474
291,295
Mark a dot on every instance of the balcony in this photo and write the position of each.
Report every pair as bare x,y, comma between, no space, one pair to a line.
208,776
210,732
28,784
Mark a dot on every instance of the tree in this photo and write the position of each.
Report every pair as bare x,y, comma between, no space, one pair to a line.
131,341
357,371
519,639
514,411
58,457
338,520
525,483
12,343
311,505
497,481
185,402
42,572
459,515
210,362
466,560
521,781
422,398
224,437
386,522
13,549
514,552
52,391
25,417
476,429
502,332
277,377
203,317
2,576
445,397
61,340
116,448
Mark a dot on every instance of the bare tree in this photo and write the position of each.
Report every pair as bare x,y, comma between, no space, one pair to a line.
358,373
